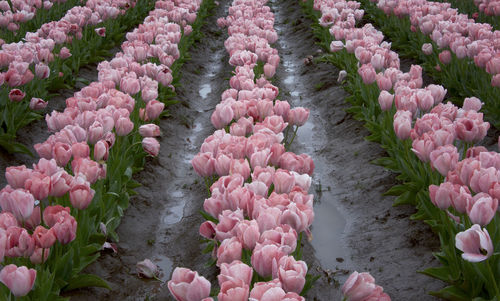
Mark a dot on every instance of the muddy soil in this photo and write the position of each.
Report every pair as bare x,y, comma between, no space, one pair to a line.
355,227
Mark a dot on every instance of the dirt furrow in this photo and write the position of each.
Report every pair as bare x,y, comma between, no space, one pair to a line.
163,218
355,227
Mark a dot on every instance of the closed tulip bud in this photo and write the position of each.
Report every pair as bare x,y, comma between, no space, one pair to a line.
233,290
154,109
20,280
358,286
336,46
149,130
342,76
81,195
124,126
385,100
235,270
367,73
101,150
151,146
298,116
402,124
147,269
42,71
445,57
263,256
427,48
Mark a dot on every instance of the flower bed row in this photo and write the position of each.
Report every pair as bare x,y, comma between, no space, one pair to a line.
25,16
258,206
45,54
429,143
57,216
433,29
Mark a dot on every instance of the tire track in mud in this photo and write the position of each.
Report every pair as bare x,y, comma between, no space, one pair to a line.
163,219
355,226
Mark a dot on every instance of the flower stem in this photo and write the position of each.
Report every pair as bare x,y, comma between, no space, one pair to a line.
490,273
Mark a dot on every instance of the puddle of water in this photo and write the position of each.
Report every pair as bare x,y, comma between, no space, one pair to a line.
327,231
289,80
165,265
205,90
295,93
174,213
177,194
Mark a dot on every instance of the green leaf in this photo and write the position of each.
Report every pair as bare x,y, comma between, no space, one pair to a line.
441,273
86,280
208,217
451,293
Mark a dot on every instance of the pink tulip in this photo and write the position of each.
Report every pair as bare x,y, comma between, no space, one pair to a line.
236,270
482,209
64,227
151,146
475,243
284,236
283,181
445,57
402,124
101,31
147,269
270,290
19,243
80,150
235,290
229,250
61,152
3,243
367,73
149,130
385,100
187,285
298,116
20,280
204,164
336,46
17,175
20,202
248,233
16,95
101,150
7,220
123,126
427,48
442,196
472,103
87,167
444,158
38,104
44,238
42,71
291,273
64,53
358,286
263,256
36,257
81,195
154,109
482,179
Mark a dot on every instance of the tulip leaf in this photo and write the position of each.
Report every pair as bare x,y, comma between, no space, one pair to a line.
86,280
441,273
208,217
451,293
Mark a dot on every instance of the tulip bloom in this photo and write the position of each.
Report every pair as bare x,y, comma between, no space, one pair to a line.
20,280
187,285
147,269
475,243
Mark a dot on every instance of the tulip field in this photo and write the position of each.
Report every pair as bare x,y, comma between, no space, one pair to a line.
249,150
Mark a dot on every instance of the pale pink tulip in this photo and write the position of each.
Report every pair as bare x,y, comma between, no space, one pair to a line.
187,285
475,243
20,280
